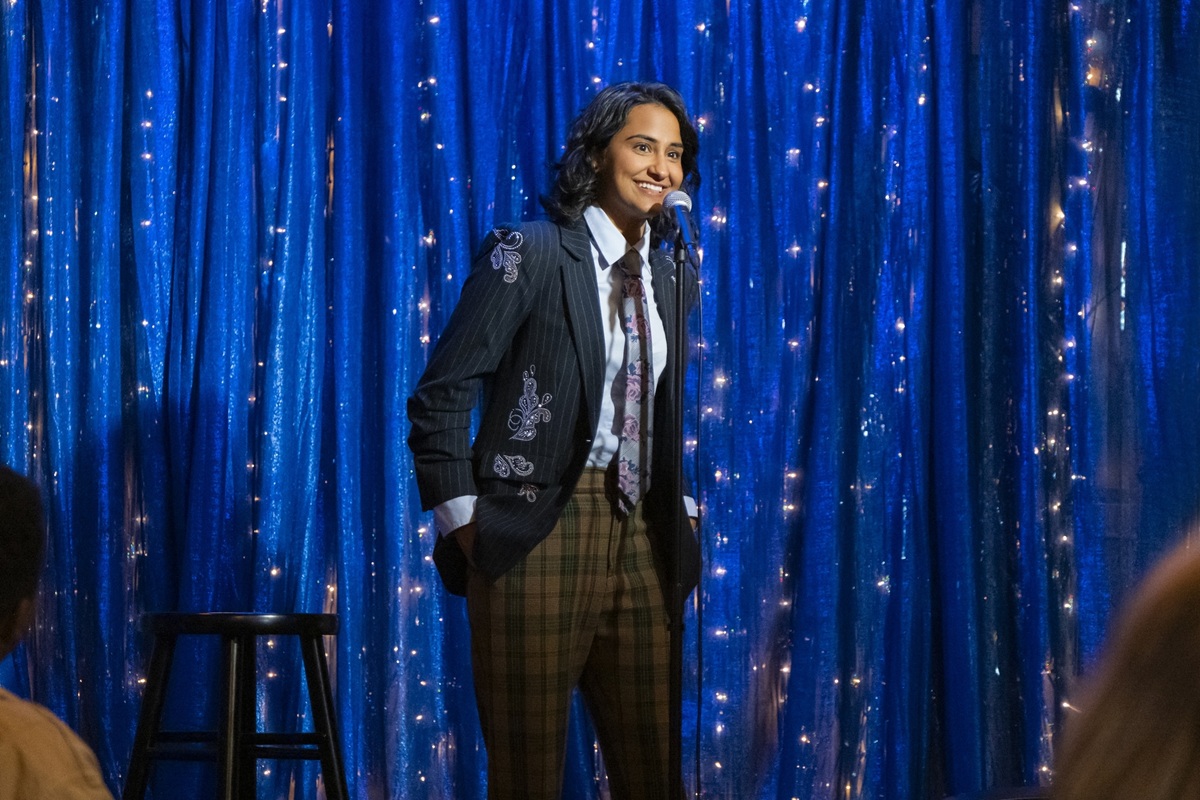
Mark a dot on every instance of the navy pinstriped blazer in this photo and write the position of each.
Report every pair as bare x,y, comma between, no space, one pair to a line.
527,332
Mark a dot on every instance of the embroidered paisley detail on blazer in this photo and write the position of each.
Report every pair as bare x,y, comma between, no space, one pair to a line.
529,492
530,410
504,254
506,465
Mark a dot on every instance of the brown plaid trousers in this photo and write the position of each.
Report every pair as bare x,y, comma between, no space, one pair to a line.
585,608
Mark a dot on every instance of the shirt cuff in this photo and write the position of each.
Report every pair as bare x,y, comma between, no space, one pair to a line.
453,514
689,505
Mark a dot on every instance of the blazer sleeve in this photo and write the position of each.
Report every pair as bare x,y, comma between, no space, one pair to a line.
496,299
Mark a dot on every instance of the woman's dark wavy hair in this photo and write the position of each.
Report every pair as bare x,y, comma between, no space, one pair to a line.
575,181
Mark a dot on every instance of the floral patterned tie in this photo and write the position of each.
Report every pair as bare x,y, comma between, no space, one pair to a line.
633,450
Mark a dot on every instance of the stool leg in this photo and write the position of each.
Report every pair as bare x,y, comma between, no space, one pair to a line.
230,740
150,717
320,694
247,698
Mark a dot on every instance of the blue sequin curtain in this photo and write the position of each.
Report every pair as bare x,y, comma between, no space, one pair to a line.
945,411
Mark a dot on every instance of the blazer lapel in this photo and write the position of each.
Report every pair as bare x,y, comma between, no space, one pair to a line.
583,313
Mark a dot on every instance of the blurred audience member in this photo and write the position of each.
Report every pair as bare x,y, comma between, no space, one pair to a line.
1137,736
40,757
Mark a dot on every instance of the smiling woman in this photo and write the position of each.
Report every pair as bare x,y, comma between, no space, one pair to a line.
642,162
564,503
598,129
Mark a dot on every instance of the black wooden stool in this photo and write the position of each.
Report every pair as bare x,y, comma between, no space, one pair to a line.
237,745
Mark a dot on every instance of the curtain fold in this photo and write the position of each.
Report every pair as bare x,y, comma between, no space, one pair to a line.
942,373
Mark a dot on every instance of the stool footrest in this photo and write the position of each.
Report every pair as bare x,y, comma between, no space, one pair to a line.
202,746
182,751
186,737
301,752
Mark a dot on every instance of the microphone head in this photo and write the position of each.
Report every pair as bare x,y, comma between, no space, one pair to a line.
677,198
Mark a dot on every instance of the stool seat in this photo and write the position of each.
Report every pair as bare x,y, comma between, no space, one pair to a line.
237,745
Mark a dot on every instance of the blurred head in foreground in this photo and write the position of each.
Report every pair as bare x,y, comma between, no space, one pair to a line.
22,547
1138,733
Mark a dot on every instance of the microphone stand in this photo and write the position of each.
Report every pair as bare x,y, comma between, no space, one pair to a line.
678,521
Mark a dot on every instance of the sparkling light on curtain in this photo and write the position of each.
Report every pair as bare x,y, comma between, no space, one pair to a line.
946,411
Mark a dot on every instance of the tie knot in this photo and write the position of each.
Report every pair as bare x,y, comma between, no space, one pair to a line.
631,263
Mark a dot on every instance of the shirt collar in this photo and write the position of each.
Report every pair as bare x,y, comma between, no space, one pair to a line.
609,241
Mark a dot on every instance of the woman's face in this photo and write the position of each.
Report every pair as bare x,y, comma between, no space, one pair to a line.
642,163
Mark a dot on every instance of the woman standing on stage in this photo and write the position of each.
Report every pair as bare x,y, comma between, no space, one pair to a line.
555,522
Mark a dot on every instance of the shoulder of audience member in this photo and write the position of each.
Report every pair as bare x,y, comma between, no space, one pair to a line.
41,757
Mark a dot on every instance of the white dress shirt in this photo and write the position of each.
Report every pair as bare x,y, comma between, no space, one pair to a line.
609,247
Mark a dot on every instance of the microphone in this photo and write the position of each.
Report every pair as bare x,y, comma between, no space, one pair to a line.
680,204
